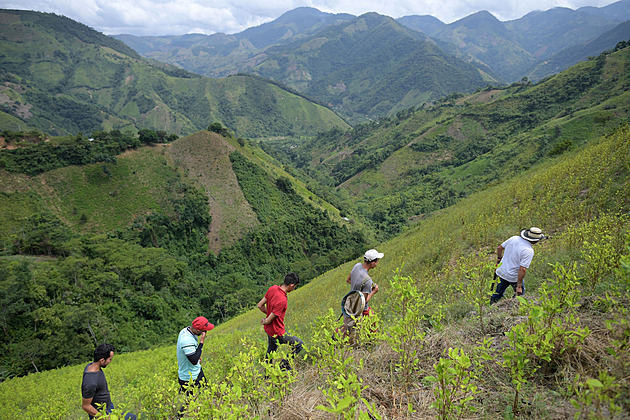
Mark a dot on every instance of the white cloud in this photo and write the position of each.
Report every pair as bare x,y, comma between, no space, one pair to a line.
172,17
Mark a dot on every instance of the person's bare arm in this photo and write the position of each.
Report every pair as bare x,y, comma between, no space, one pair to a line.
262,305
519,281
374,291
269,319
500,250
87,406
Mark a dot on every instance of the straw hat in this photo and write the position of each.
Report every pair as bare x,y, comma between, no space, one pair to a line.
532,234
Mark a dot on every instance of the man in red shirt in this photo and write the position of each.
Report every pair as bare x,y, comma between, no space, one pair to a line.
274,306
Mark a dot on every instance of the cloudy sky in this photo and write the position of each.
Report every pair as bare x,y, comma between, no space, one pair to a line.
175,17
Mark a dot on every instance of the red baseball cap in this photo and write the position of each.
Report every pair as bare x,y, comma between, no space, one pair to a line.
201,323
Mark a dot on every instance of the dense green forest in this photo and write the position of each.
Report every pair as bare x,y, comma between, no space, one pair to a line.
33,154
368,67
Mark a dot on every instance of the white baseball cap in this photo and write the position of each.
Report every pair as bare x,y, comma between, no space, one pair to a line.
372,254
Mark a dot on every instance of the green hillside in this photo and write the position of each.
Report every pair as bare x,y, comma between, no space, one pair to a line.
443,264
572,55
130,249
62,77
424,159
144,238
547,41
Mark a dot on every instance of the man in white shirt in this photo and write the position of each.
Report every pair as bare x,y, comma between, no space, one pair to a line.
515,256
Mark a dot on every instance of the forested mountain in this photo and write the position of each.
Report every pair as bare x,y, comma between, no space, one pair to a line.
220,55
288,50
482,37
61,77
615,11
370,66
572,55
426,24
427,158
510,49
365,67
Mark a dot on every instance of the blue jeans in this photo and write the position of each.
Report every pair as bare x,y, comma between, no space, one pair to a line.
110,407
501,288
274,342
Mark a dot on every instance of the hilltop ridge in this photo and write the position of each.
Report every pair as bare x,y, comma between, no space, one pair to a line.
62,78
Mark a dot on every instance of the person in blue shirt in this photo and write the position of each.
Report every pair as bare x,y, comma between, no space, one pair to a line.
189,352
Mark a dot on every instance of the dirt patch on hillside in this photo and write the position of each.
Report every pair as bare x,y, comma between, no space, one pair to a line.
9,105
455,130
205,158
482,97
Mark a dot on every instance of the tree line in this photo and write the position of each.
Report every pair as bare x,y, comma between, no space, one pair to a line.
34,154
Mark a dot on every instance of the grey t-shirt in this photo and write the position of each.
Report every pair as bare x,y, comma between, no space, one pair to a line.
357,275
94,386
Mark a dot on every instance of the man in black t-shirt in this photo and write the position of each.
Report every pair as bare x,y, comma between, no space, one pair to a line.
94,388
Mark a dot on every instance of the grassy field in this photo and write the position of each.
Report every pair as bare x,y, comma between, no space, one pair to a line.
443,267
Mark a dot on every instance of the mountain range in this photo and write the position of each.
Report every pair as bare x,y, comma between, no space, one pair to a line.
62,77
421,160
292,50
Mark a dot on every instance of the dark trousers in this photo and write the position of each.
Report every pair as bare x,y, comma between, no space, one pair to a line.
501,288
110,407
294,342
197,382
186,389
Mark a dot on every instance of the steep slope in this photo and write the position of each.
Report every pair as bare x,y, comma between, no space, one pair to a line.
510,49
619,11
430,25
206,157
62,77
545,33
368,67
97,198
485,38
147,239
292,24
